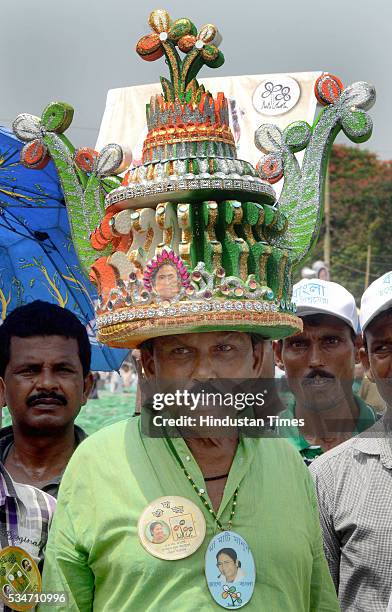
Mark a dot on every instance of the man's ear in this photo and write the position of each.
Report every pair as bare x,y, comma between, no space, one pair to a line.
278,349
148,363
88,385
364,357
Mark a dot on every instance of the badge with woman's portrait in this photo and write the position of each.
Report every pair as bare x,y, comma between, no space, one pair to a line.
171,528
230,570
157,532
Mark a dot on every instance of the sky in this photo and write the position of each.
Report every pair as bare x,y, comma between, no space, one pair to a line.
76,50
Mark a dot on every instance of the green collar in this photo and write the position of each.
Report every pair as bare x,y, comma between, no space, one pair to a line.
367,418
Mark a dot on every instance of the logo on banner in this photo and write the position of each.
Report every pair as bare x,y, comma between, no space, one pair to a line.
276,95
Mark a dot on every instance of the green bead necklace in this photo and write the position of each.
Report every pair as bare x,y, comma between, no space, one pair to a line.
201,492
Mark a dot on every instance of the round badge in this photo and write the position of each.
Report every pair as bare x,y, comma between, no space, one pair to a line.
171,528
19,576
276,95
230,570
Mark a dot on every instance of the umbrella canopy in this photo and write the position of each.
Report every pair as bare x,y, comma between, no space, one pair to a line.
37,258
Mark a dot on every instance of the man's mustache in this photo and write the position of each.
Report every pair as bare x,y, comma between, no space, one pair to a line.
35,399
318,372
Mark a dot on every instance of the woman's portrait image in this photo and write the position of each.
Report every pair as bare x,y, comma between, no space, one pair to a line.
166,276
157,532
166,281
229,566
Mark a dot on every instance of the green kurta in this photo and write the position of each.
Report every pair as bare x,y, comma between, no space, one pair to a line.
94,551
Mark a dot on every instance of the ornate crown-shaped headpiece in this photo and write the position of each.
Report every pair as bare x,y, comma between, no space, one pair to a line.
193,239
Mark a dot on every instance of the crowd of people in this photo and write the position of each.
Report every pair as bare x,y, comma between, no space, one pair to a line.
45,379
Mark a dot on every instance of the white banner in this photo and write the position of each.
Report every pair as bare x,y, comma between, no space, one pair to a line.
253,100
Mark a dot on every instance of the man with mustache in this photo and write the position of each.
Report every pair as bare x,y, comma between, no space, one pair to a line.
45,364
319,365
353,481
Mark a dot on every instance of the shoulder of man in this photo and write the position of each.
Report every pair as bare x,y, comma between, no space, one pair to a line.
6,438
104,442
80,434
33,497
334,457
283,455
339,459
366,412
6,432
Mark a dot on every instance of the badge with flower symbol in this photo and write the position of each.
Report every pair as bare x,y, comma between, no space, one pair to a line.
230,570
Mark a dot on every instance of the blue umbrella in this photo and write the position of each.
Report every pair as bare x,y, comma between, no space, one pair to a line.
37,258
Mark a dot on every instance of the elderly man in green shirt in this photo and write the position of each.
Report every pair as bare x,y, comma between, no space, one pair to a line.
191,522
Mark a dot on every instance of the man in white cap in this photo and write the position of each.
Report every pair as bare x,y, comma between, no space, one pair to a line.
354,480
319,365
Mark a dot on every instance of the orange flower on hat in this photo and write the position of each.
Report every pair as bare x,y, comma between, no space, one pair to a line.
181,33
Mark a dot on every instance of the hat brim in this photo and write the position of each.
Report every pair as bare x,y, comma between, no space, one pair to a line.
382,308
131,334
309,310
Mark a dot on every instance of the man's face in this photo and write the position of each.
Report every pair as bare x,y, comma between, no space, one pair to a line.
378,356
204,356
319,362
44,384
166,283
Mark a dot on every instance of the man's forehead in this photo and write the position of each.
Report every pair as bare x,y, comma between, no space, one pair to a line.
206,338
39,348
381,327
325,324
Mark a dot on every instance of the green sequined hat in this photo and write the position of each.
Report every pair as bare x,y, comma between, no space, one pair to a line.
194,239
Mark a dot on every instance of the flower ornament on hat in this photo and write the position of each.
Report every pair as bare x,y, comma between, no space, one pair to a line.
193,218
377,298
316,296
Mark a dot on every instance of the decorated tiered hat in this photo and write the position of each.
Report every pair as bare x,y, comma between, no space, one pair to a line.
194,239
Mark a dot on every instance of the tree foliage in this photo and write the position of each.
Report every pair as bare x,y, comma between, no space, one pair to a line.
361,208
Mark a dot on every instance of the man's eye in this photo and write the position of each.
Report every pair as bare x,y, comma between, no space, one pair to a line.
332,340
224,348
297,344
28,370
382,348
181,350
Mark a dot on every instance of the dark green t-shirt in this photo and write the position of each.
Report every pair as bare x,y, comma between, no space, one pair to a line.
367,418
